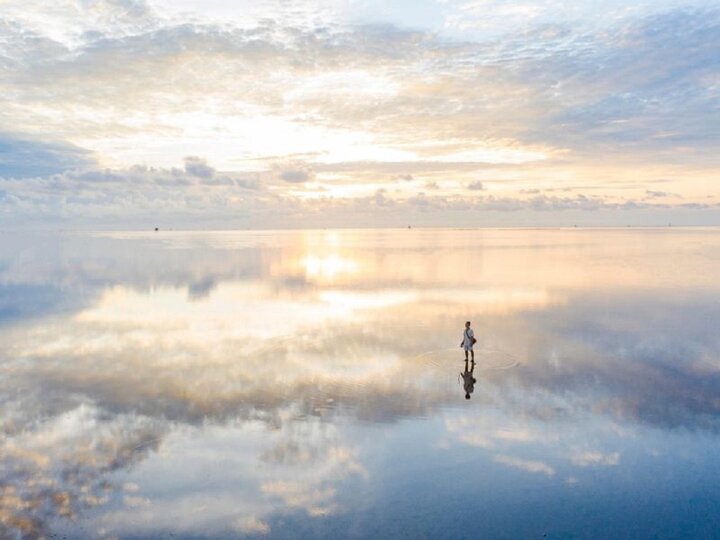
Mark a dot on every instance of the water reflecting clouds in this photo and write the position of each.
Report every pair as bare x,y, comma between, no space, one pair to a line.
279,384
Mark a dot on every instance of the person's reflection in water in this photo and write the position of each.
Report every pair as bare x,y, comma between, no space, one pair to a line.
468,379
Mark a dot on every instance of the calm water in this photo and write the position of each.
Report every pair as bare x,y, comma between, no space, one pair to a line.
308,384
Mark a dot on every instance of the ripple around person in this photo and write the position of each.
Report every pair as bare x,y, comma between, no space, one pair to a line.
485,359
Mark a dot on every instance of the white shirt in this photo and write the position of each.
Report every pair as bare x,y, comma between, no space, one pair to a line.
467,338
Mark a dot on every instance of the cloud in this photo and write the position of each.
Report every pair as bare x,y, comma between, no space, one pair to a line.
251,525
127,195
526,465
62,468
594,458
654,194
25,301
142,197
294,176
25,158
376,104
476,186
644,86
196,166
444,99
295,173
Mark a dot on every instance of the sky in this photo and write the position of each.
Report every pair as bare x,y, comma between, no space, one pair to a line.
193,114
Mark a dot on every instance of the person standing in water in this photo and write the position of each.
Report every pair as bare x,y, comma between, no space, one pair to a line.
468,341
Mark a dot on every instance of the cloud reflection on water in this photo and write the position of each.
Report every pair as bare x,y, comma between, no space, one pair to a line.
269,353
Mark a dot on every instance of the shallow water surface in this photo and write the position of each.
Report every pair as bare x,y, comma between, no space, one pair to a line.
309,384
